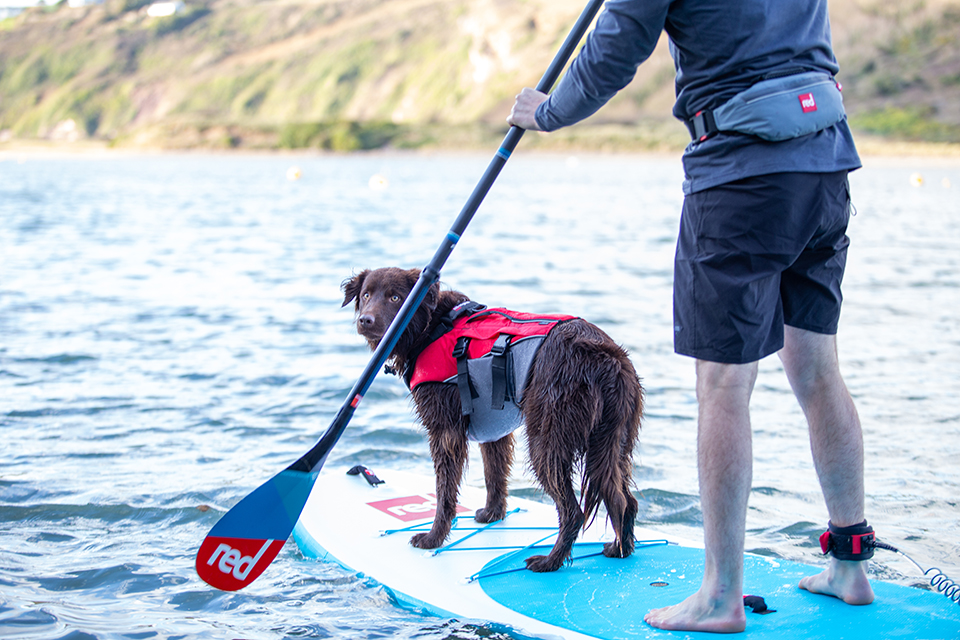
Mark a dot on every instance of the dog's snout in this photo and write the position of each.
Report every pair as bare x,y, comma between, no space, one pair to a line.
366,321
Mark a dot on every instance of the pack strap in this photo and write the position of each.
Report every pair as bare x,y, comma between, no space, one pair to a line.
855,542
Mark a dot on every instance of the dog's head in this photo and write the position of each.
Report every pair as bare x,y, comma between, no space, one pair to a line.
378,295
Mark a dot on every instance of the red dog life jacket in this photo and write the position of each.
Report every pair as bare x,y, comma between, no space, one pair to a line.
487,353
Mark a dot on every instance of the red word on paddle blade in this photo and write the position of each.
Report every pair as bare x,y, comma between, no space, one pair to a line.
230,564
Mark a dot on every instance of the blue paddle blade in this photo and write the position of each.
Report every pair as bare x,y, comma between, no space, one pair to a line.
249,536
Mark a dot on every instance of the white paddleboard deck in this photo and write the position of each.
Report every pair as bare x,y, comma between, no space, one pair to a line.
479,575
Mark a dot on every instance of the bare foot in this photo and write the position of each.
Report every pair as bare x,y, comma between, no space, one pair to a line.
843,579
700,613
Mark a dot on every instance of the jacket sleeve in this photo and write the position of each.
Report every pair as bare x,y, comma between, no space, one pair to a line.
625,35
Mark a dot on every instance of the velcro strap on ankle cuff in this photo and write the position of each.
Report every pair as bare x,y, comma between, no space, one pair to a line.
848,543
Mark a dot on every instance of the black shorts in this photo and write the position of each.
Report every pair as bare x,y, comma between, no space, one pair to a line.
756,254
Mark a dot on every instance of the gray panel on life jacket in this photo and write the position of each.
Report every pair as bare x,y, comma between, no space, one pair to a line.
486,423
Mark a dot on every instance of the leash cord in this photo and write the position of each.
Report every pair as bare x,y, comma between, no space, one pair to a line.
939,580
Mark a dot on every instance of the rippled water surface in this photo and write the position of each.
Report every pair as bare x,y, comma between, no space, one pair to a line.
171,336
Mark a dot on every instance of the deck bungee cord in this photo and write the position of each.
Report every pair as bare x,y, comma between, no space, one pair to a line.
517,549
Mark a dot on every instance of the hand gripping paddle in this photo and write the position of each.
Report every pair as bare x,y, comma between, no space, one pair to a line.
247,539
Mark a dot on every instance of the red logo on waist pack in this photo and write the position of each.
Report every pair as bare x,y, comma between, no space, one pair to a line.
411,507
807,103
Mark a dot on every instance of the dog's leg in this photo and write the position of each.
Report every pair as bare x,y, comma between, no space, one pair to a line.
497,460
552,462
448,446
555,476
622,510
609,461
624,543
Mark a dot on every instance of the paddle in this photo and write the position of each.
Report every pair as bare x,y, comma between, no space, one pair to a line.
249,536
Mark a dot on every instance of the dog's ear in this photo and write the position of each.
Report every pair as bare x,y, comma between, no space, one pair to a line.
433,297
433,293
351,287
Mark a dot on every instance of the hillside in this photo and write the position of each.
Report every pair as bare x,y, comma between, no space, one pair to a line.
347,74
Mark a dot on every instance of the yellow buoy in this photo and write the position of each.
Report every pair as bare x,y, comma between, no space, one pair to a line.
946,183
377,182
294,173
916,179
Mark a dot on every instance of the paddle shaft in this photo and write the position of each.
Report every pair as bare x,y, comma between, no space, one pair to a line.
313,460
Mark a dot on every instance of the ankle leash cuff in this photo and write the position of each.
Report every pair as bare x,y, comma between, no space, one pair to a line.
855,542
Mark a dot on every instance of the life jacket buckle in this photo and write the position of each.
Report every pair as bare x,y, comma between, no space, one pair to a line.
460,348
500,345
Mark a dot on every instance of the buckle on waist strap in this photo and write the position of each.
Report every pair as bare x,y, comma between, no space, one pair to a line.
702,125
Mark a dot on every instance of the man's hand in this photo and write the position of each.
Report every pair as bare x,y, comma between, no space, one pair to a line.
522,114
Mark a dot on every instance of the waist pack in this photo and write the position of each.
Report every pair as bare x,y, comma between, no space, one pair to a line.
776,109
487,353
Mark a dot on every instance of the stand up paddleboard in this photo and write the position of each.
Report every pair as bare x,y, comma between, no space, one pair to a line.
480,575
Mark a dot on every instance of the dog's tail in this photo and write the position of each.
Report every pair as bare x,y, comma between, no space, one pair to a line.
607,472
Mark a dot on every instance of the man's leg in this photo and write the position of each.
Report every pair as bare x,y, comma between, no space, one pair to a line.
810,360
725,462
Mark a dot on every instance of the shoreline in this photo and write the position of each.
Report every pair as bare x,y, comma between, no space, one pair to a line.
870,148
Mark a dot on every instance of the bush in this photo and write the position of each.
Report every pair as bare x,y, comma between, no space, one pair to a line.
914,123
339,136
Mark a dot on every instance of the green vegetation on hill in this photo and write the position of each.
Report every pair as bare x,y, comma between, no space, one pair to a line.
344,75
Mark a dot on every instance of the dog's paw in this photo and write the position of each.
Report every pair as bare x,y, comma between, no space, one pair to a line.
426,541
542,564
485,515
616,550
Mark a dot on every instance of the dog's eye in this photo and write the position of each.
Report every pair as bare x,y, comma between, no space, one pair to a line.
394,298
365,295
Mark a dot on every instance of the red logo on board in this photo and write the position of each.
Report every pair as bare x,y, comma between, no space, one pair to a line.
411,507
807,103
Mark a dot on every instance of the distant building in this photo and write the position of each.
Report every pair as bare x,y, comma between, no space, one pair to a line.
65,131
9,12
82,3
164,9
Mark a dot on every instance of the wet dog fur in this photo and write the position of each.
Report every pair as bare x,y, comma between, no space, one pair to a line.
582,405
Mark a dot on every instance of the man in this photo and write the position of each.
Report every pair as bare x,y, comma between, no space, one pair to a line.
760,256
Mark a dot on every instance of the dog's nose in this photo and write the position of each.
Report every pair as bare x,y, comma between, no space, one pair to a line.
366,321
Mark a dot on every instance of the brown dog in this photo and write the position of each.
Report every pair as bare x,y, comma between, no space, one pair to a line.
581,403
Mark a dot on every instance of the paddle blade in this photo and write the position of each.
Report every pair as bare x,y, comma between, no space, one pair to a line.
249,536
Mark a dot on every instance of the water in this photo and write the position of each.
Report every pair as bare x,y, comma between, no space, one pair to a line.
171,335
